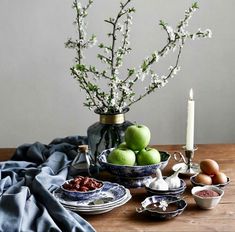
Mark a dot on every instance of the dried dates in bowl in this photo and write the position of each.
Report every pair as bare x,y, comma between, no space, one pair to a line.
81,188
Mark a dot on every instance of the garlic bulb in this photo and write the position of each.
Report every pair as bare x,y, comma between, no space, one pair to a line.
158,183
173,181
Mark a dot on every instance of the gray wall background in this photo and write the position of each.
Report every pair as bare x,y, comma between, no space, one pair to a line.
39,100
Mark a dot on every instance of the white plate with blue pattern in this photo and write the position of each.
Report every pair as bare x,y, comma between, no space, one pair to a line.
110,195
93,211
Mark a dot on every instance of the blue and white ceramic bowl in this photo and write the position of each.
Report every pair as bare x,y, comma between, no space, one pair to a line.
79,195
132,176
194,183
179,206
174,192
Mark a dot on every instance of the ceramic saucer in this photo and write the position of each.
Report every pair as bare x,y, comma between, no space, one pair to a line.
184,169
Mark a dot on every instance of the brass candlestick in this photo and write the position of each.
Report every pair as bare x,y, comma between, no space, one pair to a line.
188,167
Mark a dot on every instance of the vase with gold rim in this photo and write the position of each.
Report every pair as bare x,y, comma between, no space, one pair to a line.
107,133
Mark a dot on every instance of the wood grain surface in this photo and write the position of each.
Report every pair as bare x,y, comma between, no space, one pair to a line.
221,218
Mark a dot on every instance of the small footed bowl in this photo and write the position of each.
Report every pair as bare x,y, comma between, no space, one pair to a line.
207,202
132,176
80,195
193,181
173,192
179,206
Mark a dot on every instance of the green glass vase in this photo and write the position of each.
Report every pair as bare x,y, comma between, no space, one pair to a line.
107,133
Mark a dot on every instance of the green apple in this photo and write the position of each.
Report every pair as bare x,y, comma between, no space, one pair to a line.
122,156
148,156
122,145
137,137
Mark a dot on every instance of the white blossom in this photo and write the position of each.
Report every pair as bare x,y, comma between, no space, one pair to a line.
79,6
163,205
170,68
121,91
170,32
116,72
106,50
209,33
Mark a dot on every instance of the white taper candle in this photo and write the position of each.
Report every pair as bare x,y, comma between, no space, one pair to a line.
190,122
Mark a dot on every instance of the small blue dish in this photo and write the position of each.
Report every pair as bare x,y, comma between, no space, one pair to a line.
172,210
194,183
79,195
174,192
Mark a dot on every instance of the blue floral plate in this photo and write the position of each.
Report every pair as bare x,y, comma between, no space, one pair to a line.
111,194
93,211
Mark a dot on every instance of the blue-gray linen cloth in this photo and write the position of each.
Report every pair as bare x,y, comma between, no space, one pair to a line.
26,183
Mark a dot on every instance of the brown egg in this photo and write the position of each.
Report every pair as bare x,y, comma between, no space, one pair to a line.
203,179
209,166
219,178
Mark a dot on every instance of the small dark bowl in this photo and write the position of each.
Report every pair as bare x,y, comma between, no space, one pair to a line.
173,192
194,183
163,215
79,195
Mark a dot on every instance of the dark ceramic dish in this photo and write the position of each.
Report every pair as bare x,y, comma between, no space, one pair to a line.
174,192
171,211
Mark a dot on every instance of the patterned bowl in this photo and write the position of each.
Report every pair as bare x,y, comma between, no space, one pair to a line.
173,192
80,195
193,181
172,210
132,176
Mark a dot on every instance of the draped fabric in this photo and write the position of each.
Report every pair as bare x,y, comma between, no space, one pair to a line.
26,184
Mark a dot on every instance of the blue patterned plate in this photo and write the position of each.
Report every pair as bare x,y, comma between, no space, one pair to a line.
100,210
111,194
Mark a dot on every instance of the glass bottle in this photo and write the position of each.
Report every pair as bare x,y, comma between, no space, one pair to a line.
83,163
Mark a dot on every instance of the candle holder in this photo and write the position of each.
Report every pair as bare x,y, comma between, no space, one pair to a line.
187,167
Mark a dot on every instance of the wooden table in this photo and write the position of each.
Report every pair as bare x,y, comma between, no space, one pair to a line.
222,218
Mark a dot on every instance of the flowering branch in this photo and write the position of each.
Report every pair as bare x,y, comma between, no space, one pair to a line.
115,60
121,93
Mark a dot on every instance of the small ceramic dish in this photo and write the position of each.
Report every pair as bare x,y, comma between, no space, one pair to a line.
192,179
81,195
184,169
174,192
207,202
175,206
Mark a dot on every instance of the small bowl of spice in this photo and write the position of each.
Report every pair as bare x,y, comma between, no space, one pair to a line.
208,196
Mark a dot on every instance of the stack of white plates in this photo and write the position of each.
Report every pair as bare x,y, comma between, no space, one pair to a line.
111,196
